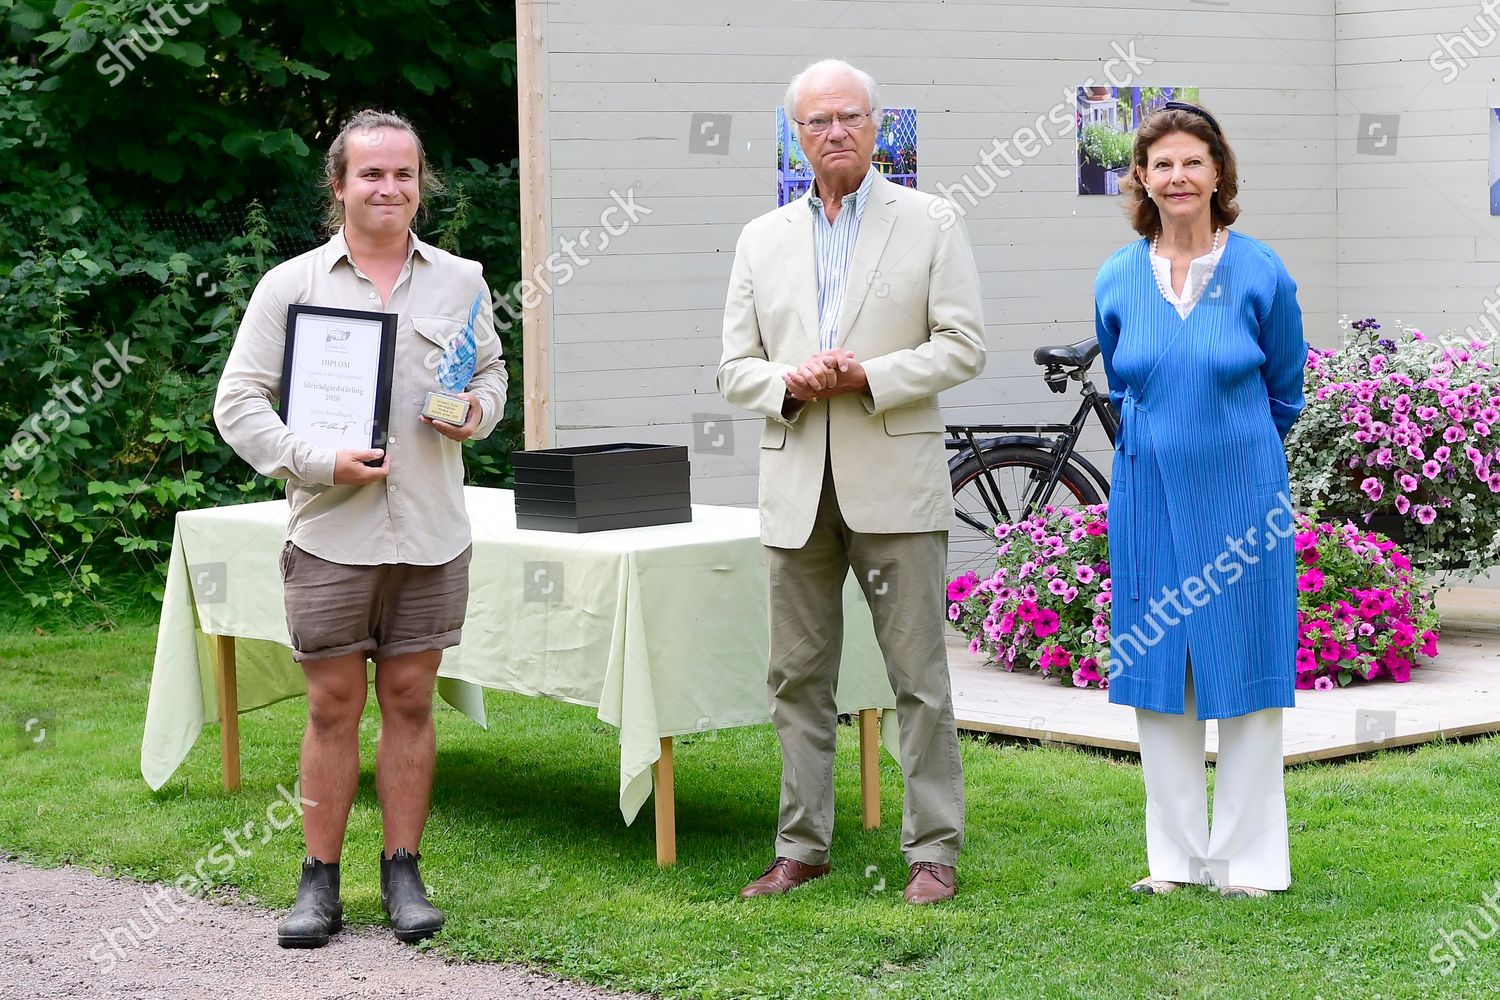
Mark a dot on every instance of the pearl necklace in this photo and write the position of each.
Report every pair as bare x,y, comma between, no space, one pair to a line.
1165,293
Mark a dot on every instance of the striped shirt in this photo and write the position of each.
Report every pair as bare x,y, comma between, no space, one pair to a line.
833,247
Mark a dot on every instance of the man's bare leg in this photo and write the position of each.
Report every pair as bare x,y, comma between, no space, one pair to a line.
407,754
336,690
404,765
330,774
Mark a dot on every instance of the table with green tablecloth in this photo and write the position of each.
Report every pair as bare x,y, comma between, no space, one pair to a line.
662,629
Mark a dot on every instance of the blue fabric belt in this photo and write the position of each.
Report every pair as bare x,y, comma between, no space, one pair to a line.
1129,418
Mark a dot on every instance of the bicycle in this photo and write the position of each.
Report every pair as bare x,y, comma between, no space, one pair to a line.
1006,478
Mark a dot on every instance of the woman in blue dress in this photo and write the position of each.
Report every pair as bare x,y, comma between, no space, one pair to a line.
1202,343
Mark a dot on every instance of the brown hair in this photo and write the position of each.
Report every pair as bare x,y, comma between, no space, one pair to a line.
337,161
1145,217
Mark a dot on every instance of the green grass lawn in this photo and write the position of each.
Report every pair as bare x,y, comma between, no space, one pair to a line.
528,856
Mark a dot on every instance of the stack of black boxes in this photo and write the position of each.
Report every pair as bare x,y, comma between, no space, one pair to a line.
600,487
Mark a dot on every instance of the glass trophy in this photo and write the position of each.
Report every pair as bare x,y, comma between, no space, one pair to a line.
455,369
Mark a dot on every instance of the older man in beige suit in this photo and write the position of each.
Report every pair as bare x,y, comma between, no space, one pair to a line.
848,311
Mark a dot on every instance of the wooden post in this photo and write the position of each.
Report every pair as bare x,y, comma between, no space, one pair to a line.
666,807
536,309
229,711
869,766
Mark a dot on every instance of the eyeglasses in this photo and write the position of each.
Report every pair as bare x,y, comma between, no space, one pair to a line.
851,121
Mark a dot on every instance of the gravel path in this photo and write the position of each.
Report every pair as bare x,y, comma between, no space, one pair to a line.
55,948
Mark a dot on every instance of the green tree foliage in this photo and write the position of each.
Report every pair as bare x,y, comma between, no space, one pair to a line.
160,157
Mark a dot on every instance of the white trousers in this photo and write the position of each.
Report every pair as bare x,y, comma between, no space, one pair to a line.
1247,843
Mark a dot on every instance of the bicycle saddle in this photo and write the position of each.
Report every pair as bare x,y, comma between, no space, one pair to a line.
1079,355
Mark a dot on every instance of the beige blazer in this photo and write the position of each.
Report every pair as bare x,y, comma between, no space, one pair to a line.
911,315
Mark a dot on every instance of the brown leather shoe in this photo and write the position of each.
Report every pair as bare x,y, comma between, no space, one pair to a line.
784,875
930,882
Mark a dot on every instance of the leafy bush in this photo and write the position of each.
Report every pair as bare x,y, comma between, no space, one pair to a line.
136,215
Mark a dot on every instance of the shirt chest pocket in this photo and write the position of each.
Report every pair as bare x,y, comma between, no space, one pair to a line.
433,335
899,283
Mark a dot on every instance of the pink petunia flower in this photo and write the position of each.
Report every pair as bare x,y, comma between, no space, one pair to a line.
1084,574
1310,582
962,586
1426,514
1045,623
1323,684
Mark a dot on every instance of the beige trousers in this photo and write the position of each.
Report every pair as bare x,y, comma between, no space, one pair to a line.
902,576
1247,844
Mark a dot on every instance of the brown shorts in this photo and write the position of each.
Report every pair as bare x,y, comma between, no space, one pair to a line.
392,609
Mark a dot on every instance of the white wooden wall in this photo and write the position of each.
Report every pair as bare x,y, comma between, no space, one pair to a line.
1416,240
636,331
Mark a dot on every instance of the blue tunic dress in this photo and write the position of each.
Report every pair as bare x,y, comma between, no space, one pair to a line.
1200,522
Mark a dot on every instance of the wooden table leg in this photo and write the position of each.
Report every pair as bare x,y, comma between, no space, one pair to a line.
666,807
869,766
229,711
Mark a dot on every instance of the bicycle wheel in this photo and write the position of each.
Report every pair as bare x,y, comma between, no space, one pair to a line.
1014,488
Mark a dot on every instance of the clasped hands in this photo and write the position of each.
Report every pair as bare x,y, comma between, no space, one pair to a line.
824,375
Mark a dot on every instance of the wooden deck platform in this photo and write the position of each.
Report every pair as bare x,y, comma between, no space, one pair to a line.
1456,694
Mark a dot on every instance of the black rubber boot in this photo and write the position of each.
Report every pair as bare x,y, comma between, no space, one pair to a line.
317,915
405,897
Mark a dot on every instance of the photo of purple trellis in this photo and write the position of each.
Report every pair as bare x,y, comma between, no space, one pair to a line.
895,153
1107,120
1495,161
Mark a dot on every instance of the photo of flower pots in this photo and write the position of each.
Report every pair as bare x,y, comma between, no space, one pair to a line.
1107,120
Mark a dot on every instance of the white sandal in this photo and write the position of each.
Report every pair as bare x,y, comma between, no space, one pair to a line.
1243,892
1155,886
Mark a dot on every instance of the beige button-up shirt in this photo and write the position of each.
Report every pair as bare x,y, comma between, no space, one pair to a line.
417,514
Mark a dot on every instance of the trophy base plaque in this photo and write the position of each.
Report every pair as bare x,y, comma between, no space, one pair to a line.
448,409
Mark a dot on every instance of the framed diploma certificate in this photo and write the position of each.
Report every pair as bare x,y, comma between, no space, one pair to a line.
336,376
